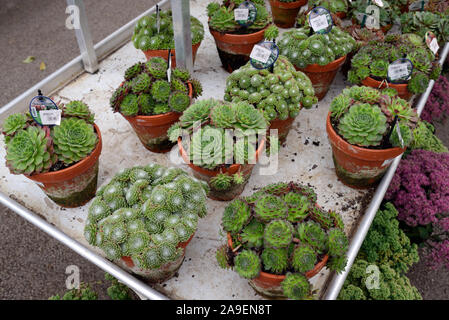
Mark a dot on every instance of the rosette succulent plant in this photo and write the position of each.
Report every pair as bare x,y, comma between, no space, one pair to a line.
221,17
144,213
33,149
147,90
146,36
303,47
333,6
280,94
280,230
364,116
374,59
420,22
205,130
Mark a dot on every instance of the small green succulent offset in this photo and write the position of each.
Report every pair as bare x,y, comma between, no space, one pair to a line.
33,149
147,91
146,36
333,6
278,230
364,116
280,94
221,16
145,212
374,59
303,47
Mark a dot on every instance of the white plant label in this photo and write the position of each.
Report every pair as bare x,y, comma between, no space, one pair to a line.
398,131
50,117
169,68
379,3
319,23
260,53
241,14
398,71
434,46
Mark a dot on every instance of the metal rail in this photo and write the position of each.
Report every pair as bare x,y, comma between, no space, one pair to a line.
338,280
85,252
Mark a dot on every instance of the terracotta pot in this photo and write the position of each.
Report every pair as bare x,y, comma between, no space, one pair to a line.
400,88
161,274
207,175
234,49
358,167
284,13
152,130
164,54
73,186
269,284
282,126
322,76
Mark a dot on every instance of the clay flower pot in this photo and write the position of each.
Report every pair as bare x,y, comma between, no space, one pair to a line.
400,88
358,167
284,13
282,126
207,175
164,54
152,130
73,186
234,49
322,76
161,274
269,284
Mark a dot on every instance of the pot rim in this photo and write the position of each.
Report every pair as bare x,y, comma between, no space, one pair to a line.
166,50
211,173
382,84
288,5
237,38
74,170
316,68
359,152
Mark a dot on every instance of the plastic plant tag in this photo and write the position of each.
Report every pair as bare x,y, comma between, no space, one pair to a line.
44,111
398,131
432,42
320,20
379,3
400,70
418,5
264,55
158,19
245,14
169,66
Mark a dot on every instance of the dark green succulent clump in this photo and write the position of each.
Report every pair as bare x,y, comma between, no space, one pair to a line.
211,144
303,47
33,149
145,212
147,91
221,17
277,230
333,6
364,116
420,22
373,60
146,36
279,94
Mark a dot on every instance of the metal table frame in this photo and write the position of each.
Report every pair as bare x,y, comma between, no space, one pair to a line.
88,61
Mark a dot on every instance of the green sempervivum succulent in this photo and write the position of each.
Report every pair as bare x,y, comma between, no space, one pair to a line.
78,109
333,6
419,22
298,206
133,71
296,286
424,138
29,151
13,123
280,94
338,242
303,47
221,17
130,105
221,181
374,58
73,140
247,264
146,225
179,101
363,116
146,35
274,244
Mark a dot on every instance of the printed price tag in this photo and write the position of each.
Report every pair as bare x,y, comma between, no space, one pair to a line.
44,111
264,55
50,117
260,53
320,20
245,14
379,3
241,14
418,5
400,69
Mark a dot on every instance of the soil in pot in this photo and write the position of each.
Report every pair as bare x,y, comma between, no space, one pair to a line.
73,186
359,167
234,49
323,76
284,13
